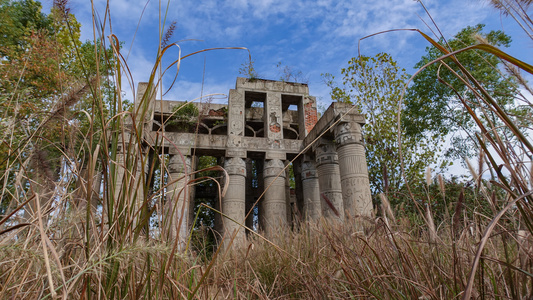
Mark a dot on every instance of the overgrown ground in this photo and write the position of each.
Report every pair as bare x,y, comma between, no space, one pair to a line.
395,261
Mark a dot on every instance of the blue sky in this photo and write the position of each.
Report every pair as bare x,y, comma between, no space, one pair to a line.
314,37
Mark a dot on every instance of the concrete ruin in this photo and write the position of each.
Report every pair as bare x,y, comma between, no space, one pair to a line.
265,125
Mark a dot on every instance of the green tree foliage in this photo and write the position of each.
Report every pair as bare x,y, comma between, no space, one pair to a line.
247,69
433,101
375,85
290,74
18,19
203,236
187,112
47,75
29,87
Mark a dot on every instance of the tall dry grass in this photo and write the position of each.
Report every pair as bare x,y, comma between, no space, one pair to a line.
96,232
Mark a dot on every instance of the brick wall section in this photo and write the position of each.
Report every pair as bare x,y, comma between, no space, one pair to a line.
275,128
311,116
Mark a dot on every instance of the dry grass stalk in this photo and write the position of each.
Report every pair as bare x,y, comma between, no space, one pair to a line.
442,185
168,34
471,169
531,175
45,249
429,180
457,215
433,237
72,97
387,207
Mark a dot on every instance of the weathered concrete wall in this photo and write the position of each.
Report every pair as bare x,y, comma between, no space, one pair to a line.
234,203
176,216
332,165
186,141
329,180
353,169
274,202
311,190
272,85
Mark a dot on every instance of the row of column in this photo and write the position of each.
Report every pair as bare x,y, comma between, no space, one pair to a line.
336,183
274,203
334,180
273,206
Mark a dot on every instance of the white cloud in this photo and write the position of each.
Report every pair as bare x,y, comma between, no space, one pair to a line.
185,90
314,36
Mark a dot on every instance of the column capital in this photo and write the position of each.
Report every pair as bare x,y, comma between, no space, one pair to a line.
309,170
325,152
235,166
177,164
272,168
348,133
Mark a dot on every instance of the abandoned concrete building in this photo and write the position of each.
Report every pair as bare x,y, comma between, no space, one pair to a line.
266,125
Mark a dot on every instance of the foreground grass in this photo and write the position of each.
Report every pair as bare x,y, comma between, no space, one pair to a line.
318,261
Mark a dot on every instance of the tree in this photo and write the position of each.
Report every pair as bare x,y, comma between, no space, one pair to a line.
30,77
47,75
247,69
432,103
17,20
204,238
289,74
375,85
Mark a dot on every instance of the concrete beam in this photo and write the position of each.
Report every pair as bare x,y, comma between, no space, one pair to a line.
186,141
335,111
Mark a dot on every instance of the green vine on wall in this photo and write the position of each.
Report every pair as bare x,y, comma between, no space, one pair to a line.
184,116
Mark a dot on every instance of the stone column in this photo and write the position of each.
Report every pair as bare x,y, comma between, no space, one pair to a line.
260,187
274,202
234,203
299,199
249,194
311,191
329,180
129,177
191,189
177,206
219,226
273,117
288,195
353,169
